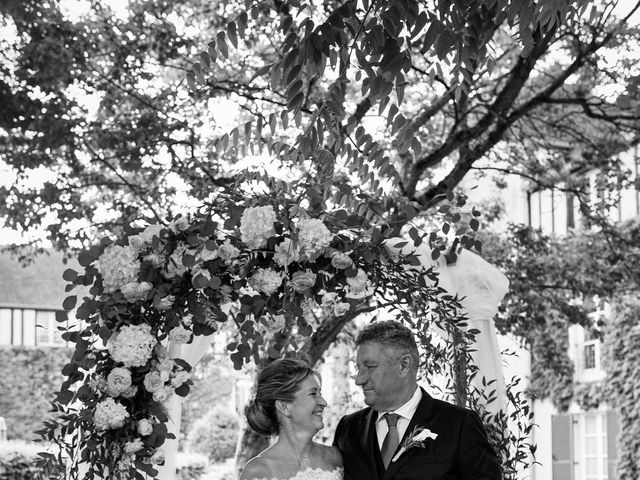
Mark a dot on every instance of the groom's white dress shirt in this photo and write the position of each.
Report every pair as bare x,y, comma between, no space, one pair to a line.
405,413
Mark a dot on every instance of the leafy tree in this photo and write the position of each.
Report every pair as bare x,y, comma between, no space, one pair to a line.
556,282
492,85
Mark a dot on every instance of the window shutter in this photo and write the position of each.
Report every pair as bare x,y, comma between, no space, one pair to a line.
613,428
562,446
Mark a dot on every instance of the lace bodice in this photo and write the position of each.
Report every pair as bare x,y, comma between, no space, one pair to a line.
316,474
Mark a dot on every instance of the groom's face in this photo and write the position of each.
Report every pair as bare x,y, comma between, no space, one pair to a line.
379,376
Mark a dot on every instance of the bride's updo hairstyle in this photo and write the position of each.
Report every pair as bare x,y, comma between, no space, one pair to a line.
279,380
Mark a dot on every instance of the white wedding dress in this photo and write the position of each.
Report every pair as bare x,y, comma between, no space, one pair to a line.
316,474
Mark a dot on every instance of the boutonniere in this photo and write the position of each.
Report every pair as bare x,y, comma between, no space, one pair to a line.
415,439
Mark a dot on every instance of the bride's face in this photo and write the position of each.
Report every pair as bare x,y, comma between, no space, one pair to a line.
308,405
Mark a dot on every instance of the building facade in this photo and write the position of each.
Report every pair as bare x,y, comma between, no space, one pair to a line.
578,444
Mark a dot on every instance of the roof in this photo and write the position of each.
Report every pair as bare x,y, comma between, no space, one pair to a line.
39,284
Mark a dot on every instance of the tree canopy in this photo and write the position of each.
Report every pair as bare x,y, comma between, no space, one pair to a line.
381,106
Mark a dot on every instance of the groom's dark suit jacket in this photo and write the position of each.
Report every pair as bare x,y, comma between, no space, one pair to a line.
461,451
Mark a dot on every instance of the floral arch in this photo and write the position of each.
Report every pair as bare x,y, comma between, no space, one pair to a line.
265,264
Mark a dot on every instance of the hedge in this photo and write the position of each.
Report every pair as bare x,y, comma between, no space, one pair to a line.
28,378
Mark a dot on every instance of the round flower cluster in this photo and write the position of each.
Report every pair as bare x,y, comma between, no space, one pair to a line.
118,266
266,280
313,235
109,414
257,225
132,345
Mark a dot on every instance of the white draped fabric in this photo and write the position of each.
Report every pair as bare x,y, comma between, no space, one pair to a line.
481,287
191,353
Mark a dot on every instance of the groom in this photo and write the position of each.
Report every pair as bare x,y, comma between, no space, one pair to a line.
455,443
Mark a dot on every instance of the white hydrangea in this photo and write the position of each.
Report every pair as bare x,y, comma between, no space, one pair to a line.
109,414
132,345
285,253
257,225
118,266
313,235
266,280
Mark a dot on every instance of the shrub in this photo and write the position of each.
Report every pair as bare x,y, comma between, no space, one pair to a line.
215,435
190,466
18,459
31,373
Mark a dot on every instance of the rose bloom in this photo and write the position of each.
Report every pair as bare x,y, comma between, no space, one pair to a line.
162,395
165,303
145,237
145,427
285,253
275,323
302,281
340,308
257,226
358,285
153,382
161,351
155,259
313,235
329,298
179,378
134,291
341,260
228,252
133,446
207,254
179,224
158,457
130,392
266,280
174,266
180,335
164,375
119,379
166,365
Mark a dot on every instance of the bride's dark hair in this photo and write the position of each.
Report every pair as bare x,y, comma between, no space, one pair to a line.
279,380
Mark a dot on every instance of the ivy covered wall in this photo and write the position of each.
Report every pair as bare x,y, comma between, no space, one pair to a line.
28,378
622,363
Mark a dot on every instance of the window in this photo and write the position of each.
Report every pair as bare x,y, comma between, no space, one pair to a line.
589,355
584,445
29,326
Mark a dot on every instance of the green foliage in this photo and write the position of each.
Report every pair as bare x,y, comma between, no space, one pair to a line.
190,466
621,360
589,395
29,373
212,385
553,284
18,460
449,83
509,431
215,435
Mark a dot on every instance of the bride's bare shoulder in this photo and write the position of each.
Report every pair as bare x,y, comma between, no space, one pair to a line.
331,455
256,469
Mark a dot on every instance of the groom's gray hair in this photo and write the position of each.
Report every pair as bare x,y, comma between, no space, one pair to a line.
390,334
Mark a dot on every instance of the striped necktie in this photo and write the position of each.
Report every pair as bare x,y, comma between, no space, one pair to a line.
392,439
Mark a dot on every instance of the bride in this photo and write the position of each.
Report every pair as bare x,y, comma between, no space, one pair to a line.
289,404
